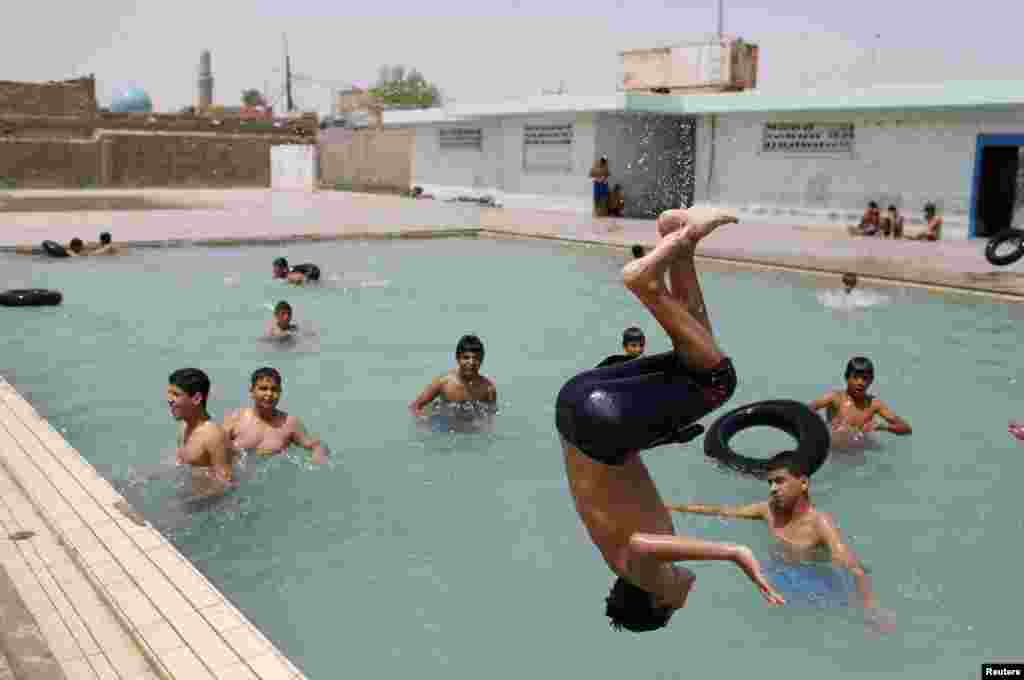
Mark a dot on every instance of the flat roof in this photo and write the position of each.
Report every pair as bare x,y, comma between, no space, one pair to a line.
954,95
951,95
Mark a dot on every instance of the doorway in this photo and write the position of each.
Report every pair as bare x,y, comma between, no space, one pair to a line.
997,165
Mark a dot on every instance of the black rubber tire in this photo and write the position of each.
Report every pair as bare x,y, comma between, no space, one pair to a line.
1005,236
54,249
311,271
793,417
30,297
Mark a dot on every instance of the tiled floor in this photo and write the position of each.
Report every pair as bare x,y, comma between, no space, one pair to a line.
113,598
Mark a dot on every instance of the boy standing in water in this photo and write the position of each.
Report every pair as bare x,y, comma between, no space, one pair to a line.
633,343
202,443
464,383
264,428
281,326
853,409
801,529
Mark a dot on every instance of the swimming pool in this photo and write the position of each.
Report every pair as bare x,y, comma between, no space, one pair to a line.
460,555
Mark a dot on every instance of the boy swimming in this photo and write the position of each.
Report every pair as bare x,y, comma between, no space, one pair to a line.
464,384
202,443
852,412
265,429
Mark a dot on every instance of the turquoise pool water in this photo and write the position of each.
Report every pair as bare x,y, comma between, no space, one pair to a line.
440,555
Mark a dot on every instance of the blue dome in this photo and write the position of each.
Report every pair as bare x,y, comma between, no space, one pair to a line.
131,100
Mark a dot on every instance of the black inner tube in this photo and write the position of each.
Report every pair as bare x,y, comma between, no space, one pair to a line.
30,297
1012,237
54,249
792,417
311,271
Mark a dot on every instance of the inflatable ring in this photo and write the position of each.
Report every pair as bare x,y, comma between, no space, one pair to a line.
792,417
1012,236
309,270
54,249
30,297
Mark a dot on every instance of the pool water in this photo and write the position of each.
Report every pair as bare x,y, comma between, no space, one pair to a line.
459,555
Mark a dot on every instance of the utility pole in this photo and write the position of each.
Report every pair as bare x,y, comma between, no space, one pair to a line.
721,20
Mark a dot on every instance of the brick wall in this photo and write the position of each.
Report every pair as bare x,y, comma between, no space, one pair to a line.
49,163
57,98
185,161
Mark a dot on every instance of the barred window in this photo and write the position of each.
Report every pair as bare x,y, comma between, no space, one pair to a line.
547,149
808,138
461,138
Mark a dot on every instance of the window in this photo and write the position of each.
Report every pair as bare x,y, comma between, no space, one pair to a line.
833,139
548,148
461,138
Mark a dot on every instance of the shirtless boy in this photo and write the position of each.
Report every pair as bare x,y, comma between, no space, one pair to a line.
281,325
801,529
853,410
462,384
265,429
607,416
201,442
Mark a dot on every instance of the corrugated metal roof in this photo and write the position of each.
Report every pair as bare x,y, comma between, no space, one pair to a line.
950,96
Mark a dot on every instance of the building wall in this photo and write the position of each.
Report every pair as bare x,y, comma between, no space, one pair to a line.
652,156
49,164
367,158
497,169
906,158
185,161
59,98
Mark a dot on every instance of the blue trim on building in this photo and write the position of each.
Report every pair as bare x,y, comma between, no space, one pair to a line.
983,141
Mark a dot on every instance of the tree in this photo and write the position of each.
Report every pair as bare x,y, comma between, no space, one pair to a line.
397,89
253,97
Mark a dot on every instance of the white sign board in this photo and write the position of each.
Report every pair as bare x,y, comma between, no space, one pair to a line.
293,166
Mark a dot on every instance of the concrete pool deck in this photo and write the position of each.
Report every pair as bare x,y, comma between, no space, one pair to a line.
103,594
253,216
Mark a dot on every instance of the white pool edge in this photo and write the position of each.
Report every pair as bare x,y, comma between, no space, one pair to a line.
180,623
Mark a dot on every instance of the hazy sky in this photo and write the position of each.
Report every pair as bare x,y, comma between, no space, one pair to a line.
477,52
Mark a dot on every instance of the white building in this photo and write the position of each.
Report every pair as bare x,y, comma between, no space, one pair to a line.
811,158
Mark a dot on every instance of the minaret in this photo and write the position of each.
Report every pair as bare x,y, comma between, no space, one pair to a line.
205,81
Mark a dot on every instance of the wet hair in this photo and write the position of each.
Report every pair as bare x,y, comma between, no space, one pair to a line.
861,365
892,207
76,244
470,343
282,306
638,251
633,334
849,279
281,262
266,372
929,207
105,238
873,205
192,381
790,462
633,608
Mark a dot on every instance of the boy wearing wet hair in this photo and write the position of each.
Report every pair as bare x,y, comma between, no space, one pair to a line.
201,441
264,428
281,325
849,282
298,275
464,383
76,248
853,409
106,246
633,343
802,530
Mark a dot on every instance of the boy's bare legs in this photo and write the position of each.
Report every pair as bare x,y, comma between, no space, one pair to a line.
645,277
683,282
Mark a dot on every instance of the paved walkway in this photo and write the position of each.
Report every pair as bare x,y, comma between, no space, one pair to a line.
254,215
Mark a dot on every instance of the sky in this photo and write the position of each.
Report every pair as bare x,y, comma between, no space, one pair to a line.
481,52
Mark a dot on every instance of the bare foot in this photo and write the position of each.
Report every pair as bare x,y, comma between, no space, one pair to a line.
675,220
646,274
748,563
